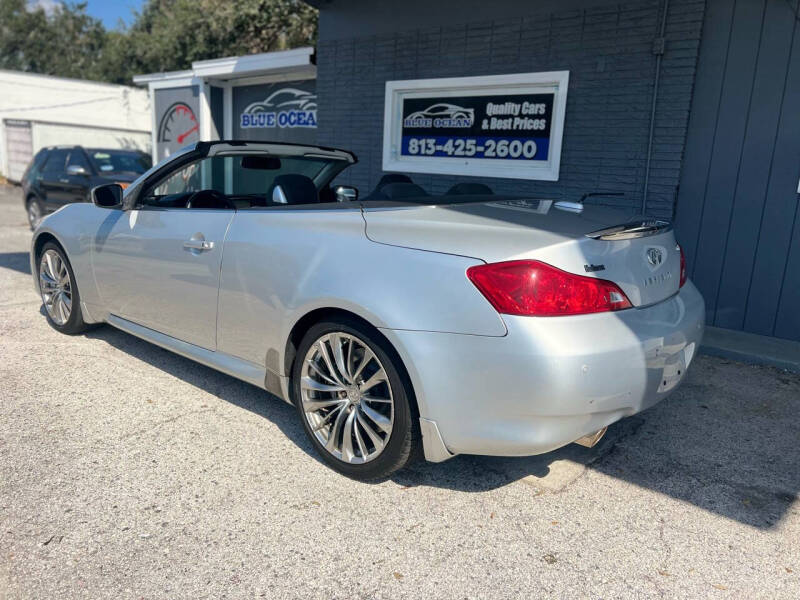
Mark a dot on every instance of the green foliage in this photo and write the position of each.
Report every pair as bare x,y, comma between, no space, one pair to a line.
167,35
68,42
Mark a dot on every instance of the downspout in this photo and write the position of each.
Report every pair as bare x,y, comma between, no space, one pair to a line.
659,45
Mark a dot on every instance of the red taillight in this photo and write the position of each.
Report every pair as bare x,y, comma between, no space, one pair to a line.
533,288
683,266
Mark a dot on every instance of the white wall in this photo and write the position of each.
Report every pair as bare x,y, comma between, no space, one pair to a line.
52,134
96,114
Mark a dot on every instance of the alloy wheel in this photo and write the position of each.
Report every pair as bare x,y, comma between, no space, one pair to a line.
346,398
34,214
56,287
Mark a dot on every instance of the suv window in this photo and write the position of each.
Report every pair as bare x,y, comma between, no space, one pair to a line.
54,165
38,160
78,158
244,181
36,165
119,161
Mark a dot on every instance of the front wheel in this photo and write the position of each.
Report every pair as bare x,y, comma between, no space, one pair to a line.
59,292
353,399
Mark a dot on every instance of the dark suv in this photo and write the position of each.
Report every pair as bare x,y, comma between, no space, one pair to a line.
60,175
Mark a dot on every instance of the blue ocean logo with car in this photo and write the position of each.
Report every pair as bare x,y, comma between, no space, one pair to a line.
284,108
441,115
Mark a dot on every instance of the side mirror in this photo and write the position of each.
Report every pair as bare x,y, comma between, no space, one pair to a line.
346,193
76,170
108,195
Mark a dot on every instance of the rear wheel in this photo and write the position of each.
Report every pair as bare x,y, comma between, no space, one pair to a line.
59,292
35,212
353,400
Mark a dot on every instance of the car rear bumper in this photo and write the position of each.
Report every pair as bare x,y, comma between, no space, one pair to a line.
550,380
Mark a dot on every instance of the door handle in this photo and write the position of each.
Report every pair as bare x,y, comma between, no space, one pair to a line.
198,245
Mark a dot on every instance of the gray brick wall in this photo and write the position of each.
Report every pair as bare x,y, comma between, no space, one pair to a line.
608,51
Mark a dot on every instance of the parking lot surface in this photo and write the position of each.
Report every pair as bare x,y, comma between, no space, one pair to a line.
130,472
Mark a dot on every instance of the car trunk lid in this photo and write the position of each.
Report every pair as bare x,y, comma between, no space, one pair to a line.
639,255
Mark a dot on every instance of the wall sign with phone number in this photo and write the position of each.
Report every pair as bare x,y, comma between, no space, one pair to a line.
502,126
481,147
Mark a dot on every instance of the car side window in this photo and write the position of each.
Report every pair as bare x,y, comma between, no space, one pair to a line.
189,181
39,159
35,168
242,181
54,165
78,158
185,179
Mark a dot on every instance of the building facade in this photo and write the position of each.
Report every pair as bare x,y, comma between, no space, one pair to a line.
685,109
40,110
269,96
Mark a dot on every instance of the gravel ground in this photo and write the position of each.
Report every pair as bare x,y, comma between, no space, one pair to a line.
129,472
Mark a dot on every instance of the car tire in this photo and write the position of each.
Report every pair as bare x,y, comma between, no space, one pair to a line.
34,210
383,436
59,291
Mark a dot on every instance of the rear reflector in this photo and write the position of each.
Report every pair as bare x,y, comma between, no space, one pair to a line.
534,288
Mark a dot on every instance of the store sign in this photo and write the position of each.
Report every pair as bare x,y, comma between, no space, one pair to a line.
502,126
279,112
286,107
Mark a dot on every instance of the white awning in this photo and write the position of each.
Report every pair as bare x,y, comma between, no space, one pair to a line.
298,63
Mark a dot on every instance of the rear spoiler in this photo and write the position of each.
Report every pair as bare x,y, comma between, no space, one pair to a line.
633,229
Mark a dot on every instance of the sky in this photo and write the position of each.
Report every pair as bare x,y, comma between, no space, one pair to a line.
111,11
108,11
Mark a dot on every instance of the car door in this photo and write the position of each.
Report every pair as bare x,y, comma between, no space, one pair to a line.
53,178
76,186
159,264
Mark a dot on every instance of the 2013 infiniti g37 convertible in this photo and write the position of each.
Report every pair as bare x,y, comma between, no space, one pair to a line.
462,323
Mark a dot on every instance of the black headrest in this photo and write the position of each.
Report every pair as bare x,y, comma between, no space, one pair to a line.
394,191
393,178
298,189
468,189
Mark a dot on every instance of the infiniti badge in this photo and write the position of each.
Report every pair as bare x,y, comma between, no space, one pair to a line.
655,256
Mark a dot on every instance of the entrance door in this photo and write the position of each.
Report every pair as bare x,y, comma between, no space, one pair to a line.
737,214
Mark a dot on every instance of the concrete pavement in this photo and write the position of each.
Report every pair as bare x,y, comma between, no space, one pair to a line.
129,472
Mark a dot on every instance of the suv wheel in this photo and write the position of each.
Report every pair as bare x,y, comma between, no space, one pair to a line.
35,213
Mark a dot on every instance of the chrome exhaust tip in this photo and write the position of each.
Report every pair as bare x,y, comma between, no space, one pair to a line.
590,440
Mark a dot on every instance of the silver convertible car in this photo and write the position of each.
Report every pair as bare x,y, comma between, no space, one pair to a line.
400,322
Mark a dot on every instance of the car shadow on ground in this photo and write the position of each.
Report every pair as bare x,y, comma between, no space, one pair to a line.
16,261
711,444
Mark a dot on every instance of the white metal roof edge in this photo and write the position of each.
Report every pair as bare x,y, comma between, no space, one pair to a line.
299,59
254,63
